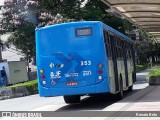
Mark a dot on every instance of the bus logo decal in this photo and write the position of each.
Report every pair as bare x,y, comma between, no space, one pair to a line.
55,75
51,65
56,65
53,82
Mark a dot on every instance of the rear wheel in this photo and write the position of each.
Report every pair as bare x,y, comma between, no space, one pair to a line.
71,99
120,94
133,77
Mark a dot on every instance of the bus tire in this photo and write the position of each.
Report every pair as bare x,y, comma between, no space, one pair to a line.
133,77
71,99
120,93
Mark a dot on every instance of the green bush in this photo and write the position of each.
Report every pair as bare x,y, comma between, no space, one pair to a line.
154,73
32,89
140,68
32,86
26,83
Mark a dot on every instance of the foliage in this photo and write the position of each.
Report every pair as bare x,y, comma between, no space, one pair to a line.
140,68
22,17
31,86
154,73
68,8
19,17
38,13
32,89
27,83
146,47
23,39
77,10
16,14
96,10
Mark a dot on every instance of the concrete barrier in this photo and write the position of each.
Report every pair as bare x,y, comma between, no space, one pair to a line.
6,92
154,81
21,91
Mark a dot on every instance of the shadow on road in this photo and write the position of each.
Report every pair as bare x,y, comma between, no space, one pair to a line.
97,102
91,103
100,102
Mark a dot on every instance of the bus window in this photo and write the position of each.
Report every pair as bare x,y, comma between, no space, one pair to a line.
107,44
119,50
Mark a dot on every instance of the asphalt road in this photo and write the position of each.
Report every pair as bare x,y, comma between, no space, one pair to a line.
36,103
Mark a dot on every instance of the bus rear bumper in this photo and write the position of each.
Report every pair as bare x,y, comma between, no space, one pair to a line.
102,87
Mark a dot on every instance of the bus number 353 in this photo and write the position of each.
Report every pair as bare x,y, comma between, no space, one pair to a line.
85,63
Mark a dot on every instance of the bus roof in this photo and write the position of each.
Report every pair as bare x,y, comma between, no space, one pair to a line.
117,32
88,22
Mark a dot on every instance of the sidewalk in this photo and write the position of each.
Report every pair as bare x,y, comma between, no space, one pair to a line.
147,99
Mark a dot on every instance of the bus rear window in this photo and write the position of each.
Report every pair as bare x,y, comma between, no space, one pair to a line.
84,32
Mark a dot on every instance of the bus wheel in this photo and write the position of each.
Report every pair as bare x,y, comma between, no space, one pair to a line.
133,77
70,99
120,93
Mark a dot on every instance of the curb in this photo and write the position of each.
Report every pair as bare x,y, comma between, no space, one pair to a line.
19,91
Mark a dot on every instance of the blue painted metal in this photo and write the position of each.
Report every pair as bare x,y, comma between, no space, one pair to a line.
3,79
62,55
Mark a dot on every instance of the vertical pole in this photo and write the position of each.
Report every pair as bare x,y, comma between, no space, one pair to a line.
0,49
1,32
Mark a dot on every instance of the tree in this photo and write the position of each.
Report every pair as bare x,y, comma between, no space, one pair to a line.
89,10
18,17
22,17
23,39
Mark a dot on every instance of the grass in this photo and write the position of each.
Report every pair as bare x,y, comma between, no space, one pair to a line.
27,83
140,68
153,73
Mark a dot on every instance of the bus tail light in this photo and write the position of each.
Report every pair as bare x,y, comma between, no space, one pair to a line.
100,65
42,76
100,71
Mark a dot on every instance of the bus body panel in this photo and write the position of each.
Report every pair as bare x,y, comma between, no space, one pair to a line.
71,70
102,87
70,62
120,62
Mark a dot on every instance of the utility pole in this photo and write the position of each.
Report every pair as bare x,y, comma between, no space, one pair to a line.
0,49
1,31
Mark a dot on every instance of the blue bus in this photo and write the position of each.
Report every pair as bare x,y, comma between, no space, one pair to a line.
83,58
